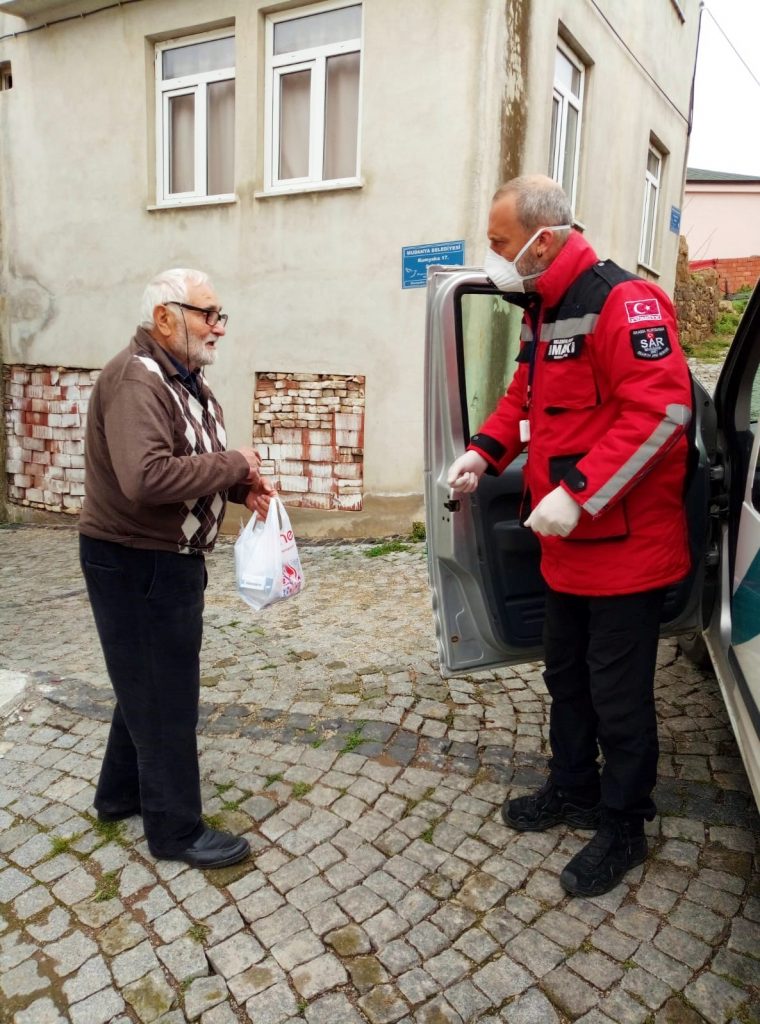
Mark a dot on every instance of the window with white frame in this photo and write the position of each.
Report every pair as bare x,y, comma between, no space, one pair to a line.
313,78
567,105
195,118
652,180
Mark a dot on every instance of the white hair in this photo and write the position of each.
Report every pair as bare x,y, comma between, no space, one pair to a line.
168,286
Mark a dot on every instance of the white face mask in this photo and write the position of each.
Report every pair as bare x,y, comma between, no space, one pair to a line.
504,273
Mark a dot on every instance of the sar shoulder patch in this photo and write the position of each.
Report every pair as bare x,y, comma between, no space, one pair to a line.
650,343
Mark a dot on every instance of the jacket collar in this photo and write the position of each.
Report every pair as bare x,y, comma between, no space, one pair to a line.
575,256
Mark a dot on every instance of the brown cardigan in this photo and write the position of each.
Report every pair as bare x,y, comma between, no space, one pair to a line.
157,474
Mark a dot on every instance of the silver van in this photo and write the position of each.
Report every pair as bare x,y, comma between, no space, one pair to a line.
484,566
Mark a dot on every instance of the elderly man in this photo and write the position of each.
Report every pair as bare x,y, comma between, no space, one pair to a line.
602,399
157,479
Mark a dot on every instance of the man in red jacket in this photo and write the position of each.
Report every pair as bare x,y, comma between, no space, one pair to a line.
602,400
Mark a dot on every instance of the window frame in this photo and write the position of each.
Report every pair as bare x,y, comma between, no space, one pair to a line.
313,59
565,97
652,184
197,86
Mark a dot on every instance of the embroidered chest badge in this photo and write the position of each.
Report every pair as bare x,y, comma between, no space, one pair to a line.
650,343
642,309
564,348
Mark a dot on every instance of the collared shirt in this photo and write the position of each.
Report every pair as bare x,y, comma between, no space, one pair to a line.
189,378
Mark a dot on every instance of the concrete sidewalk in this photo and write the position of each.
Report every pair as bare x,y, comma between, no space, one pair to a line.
383,886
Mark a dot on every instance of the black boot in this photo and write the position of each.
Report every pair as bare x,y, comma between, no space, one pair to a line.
549,806
618,846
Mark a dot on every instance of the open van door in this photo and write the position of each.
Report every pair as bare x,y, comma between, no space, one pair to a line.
487,590
733,635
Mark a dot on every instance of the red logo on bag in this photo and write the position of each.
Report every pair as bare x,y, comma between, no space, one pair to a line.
286,537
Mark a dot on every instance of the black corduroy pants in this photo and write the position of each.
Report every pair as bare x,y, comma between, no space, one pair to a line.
148,609
601,655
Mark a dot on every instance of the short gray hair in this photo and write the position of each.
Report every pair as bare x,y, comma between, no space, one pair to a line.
539,202
168,286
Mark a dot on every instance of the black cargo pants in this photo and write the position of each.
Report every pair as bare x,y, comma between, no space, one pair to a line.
600,662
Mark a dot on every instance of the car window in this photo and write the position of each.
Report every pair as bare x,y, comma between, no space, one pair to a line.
489,332
754,416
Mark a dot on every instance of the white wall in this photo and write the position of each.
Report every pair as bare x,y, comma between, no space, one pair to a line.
721,220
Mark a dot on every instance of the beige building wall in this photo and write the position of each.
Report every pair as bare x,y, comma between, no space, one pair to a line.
721,220
312,281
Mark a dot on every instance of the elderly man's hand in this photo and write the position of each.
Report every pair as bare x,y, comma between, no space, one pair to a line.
259,495
253,459
556,515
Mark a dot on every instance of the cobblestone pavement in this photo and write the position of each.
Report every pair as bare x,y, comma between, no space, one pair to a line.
383,886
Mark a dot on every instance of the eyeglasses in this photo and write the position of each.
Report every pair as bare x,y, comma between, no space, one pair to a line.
213,316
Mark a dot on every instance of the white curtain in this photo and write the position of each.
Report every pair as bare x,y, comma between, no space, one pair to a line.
220,130
182,143
295,100
341,116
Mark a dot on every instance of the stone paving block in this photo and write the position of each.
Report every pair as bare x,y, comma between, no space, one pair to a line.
77,885
203,994
385,926
735,968
272,1006
235,955
398,956
100,1008
124,933
697,920
133,964
383,1005
530,1008
717,900
71,952
501,979
569,992
367,972
286,921
32,902
308,895
447,967
326,917
261,904
56,867
51,927
535,951
360,903
255,979
150,997
98,915
318,976
481,892
415,906
438,1011
91,977
297,949
222,925
330,1009
682,946
12,883
502,925
744,937
645,987
637,923
23,980
134,878
41,1011
714,997
619,1006
662,966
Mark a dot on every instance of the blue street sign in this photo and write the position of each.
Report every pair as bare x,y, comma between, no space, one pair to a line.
415,259
675,219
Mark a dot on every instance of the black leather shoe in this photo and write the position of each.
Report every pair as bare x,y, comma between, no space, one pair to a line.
128,812
212,849
618,846
549,806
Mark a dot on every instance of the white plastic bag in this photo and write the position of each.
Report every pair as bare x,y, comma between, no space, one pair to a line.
267,566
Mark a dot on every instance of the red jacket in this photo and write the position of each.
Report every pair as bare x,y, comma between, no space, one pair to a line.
607,393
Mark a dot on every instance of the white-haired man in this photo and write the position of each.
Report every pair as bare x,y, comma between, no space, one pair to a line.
601,399
157,479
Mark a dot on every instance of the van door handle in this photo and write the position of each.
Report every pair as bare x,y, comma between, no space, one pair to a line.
452,505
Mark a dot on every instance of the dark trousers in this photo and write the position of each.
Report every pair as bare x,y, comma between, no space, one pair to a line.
600,663
148,608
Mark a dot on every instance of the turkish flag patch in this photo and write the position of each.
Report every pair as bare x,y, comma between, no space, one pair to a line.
651,343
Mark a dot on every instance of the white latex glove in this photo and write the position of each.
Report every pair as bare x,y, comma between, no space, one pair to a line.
465,472
556,515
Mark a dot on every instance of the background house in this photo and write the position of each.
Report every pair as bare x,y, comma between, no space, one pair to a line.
293,149
721,213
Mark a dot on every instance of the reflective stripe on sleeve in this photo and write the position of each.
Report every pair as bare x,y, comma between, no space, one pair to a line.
569,327
676,418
